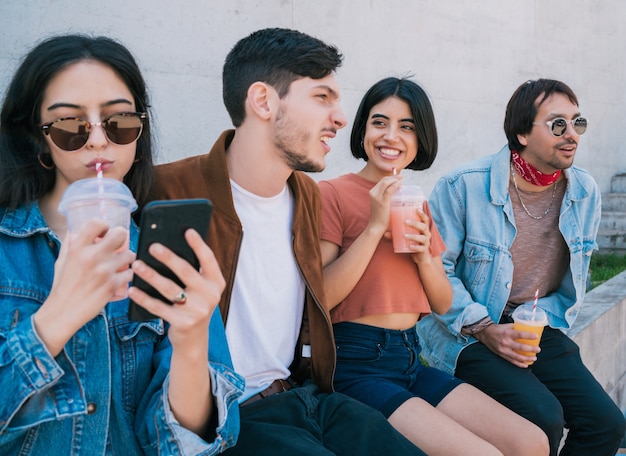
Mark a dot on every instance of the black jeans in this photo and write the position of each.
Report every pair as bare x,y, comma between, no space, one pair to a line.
303,422
556,391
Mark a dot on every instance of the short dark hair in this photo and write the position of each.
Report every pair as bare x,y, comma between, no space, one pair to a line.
521,109
421,110
22,178
277,57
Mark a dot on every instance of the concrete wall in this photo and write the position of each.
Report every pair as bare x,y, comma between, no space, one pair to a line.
600,332
469,55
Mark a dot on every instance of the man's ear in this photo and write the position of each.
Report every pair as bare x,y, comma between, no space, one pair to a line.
260,99
523,139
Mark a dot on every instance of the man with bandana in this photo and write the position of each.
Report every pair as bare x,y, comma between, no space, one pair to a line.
519,224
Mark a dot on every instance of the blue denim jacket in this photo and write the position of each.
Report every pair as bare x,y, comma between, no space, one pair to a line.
107,391
472,209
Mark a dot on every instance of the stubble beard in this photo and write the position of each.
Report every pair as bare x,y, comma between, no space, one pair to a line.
555,161
287,138
561,163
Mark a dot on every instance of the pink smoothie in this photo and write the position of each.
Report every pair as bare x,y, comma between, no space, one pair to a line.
401,211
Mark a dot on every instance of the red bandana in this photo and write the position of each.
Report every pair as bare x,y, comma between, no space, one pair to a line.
531,174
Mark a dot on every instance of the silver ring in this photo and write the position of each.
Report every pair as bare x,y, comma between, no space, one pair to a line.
180,298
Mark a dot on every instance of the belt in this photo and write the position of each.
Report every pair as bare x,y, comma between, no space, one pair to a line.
277,386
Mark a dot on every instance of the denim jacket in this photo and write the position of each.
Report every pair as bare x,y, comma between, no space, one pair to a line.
107,391
472,209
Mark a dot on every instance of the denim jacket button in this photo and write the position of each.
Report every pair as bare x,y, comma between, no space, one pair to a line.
508,285
91,408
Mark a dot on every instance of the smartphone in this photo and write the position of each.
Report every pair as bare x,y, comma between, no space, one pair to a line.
166,222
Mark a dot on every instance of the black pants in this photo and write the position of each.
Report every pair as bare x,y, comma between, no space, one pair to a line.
305,422
557,391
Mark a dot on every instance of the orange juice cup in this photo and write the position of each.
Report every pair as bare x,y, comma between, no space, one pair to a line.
529,320
404,205
103,198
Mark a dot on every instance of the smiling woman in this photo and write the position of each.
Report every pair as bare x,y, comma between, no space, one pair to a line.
366,282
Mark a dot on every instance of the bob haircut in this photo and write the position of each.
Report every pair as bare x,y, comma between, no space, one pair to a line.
277,57
523,105
421,110
22,178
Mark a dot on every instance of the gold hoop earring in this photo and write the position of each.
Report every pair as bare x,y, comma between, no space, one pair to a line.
44,165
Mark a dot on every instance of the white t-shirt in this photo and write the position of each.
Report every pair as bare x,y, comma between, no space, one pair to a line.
267,301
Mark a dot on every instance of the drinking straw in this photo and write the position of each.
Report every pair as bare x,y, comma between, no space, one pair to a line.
535,304
395,171
101,190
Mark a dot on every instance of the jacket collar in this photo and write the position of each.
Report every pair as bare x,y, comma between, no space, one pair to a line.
577,188
22,222
214,169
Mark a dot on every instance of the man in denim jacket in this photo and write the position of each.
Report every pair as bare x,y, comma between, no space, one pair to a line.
519,224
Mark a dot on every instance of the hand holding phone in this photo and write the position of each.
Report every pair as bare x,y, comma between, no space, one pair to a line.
166,222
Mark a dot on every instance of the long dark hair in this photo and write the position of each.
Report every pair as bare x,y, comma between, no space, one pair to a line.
22,178
421,110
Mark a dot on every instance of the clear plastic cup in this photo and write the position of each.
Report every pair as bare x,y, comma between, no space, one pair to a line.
525,319
404,203
103,198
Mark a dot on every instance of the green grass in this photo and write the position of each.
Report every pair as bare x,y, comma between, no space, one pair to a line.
604,267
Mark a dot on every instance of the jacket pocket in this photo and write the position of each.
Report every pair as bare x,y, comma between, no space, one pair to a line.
478,261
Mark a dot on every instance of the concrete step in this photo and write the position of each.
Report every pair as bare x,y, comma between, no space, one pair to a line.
612,232
618,183
614,202
613,220
612,241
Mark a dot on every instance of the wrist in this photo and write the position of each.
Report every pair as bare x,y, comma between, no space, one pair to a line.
476,328
53,331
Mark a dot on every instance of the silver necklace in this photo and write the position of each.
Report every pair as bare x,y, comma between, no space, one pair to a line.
536,217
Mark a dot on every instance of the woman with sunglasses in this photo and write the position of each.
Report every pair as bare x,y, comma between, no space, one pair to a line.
377,296
77,376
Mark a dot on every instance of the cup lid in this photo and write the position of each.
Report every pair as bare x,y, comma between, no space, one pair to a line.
525,312
94,189
411,189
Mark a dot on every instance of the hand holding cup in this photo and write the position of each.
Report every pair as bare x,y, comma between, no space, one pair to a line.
529,318
404,205
101,198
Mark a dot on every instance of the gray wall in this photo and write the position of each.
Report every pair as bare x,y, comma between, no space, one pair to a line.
469,55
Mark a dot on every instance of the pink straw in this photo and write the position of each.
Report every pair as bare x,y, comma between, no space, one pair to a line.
395,171
535,303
